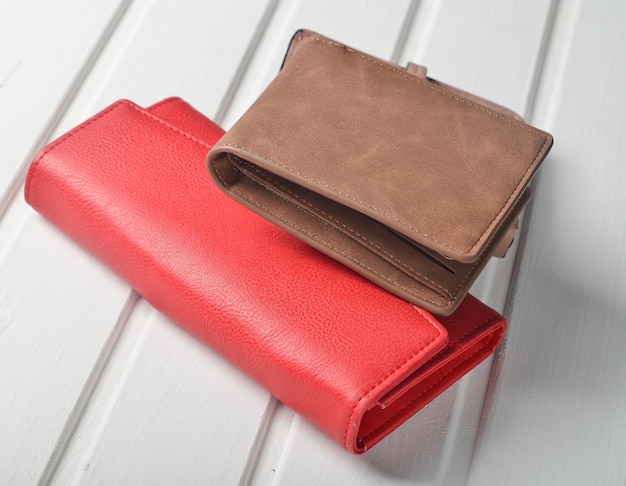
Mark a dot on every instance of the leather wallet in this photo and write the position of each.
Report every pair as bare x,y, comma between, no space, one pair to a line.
130,185
408,181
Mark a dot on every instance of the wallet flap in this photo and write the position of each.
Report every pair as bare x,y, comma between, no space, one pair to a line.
474,332
439,169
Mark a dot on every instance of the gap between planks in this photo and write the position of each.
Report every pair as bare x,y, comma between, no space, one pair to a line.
86,393
14,187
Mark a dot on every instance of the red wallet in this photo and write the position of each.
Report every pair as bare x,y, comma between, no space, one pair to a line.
130,185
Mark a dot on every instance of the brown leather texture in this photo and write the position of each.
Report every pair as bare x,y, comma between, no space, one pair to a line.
400,178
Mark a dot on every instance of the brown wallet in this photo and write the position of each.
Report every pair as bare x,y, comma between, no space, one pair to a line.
410,182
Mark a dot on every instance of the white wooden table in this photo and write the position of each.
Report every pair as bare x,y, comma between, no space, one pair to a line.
98,388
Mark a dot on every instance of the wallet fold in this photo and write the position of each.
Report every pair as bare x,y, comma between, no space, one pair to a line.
408,181
130,185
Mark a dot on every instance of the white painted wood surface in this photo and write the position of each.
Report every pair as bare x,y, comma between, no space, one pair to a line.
98,388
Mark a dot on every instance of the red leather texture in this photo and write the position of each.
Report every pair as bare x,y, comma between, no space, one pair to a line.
130,185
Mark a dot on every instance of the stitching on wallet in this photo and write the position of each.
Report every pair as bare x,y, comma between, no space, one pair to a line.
319,211
169,125
443,92
488,344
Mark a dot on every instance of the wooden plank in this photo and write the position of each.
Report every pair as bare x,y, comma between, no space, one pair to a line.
44,361
44,52
557,413
486,37
435,446
168,48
